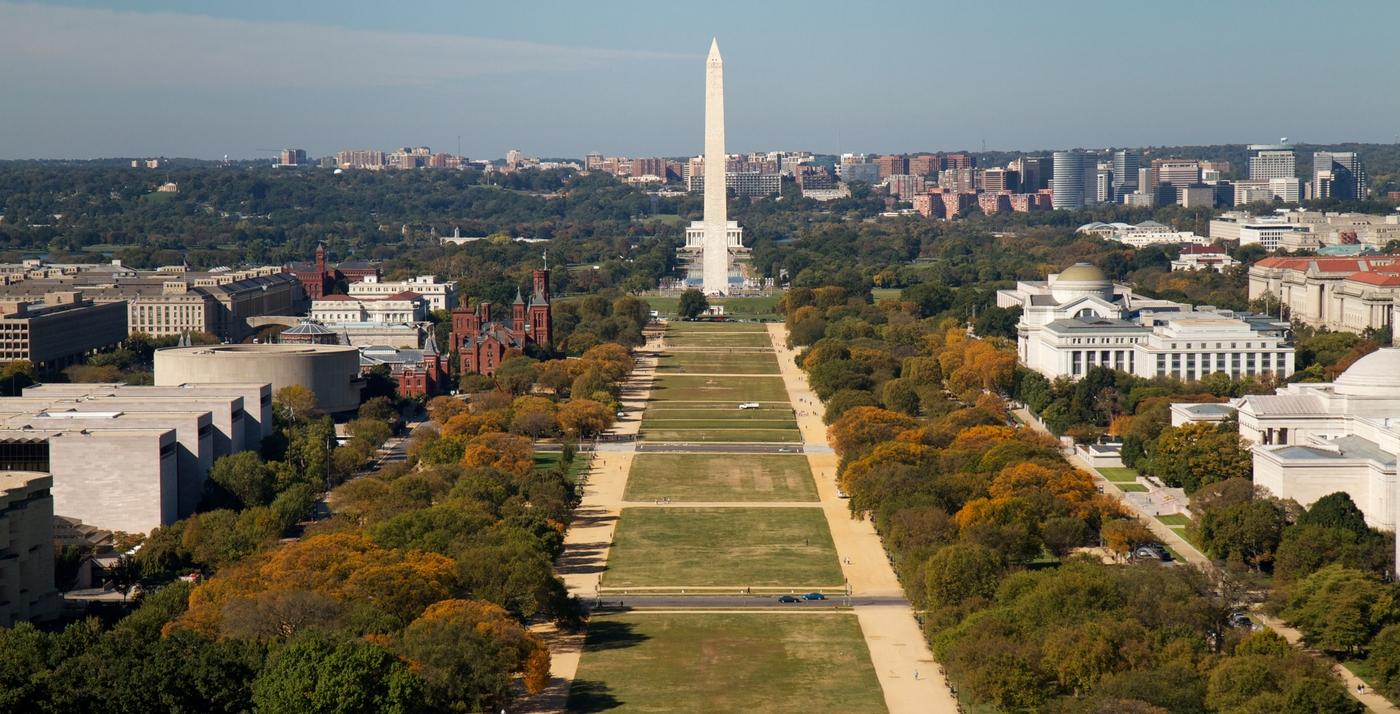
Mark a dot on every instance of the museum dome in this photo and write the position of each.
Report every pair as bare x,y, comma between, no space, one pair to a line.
1081,280
1376,374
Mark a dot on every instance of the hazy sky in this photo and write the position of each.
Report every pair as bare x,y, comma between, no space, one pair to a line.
240,77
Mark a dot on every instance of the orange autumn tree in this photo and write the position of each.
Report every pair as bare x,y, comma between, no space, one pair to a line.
862,477
345,567
584,418
860,429
507,452
470,425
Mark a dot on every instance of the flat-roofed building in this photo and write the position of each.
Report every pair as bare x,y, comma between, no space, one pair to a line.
174,301
439,295
110,474
60,330
241,412
27,589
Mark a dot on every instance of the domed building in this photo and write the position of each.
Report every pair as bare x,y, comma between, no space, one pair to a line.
1079,319
1311,440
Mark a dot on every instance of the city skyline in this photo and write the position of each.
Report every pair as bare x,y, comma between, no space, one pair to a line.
200,81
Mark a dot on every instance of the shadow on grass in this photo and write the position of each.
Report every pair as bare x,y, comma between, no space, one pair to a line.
612,635
587,695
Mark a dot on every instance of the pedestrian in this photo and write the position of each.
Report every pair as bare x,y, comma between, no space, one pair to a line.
916,675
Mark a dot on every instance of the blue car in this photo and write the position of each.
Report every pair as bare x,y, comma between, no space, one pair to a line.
814,596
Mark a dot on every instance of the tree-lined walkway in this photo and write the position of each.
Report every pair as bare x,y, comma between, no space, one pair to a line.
897,645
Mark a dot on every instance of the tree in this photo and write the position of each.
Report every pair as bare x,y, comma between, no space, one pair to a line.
961,571
1336,510
297,402
1194,455
584,418
1124,535
533,416
692,304
467,651
380,409
861,428
440,409
244,476
352,676
507,452
1339,609
516,375
1250,530
847,399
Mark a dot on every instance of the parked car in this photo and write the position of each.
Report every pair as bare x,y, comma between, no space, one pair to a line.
788,599
1152,551
1240,618
842,494
814,596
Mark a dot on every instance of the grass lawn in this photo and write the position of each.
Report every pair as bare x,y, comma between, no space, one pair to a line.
740,547
720,477
883,294
1130,487
719,339
678,327
723,436
549,459
1119,474
691,388
718,363
1175,520
722,662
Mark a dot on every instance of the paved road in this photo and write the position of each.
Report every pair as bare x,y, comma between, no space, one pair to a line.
612,601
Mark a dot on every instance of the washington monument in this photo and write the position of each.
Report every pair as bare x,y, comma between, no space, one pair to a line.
715,261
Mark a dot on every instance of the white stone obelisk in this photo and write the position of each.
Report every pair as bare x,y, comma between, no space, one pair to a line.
715,260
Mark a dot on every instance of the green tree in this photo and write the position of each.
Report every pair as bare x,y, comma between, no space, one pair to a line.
1339,609
1194,455
316,674
1250,530
245,477
961,571
516,375
692,304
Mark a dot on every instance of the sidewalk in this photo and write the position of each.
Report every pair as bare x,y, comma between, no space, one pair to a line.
897,646
589,536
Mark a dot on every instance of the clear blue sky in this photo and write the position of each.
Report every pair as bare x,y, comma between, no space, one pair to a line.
204,79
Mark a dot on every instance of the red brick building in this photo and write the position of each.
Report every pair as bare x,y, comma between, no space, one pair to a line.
482,342
416,373
320,279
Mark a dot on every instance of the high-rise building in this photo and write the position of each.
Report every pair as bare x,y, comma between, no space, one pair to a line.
293,157
1068,182
925,164
1036,172
959,161
1125,173
1271,161
996,179
1339,174
892,166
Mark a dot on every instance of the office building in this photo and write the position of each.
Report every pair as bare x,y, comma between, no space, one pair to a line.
293,157
1340,175
60,330
1036,172
27,589
925,164
892,165
1125,173
1272,161
1204,257
904,186
1068,183
996,180
174,300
